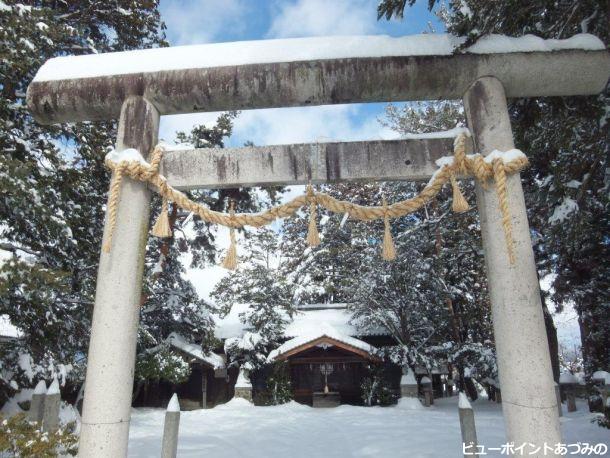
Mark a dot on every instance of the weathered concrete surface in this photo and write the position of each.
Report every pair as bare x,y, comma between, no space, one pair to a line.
36,411
302,163
50,420
558,397
524,363
469,431
110,366
169,447
320,82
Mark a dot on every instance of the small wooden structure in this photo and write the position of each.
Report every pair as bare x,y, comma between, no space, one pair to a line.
308,363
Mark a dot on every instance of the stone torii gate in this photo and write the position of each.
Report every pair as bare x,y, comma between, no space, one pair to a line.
90,88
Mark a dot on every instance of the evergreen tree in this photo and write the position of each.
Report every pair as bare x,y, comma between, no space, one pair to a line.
566,140
258,284
54,183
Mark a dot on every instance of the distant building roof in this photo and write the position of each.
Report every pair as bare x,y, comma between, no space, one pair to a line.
324,335
211,359
309,318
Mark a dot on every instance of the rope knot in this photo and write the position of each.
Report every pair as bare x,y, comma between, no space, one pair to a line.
230,261
388,250
313,236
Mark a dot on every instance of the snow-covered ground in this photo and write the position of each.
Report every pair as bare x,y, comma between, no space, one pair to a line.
238,429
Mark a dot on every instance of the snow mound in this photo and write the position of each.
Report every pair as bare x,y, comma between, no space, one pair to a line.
408,379
235,404
409,404
463,402
174,404
41,387
128,155
53,388
601,376
243,381
567,377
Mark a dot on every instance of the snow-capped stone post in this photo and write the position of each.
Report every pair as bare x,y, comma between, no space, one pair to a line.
37,404
243,387
52,399
408,384
524,363
558,397
111,360
568,387
467,426
169,448
426,385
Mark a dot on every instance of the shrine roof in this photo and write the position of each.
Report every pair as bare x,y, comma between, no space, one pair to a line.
325,336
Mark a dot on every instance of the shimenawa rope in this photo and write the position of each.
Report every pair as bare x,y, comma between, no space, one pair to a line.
461,166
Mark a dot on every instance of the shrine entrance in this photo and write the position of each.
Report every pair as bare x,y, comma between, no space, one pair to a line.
327,371
138,87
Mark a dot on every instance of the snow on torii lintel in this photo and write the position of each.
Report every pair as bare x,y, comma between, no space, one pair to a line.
178,341
325,330
293,50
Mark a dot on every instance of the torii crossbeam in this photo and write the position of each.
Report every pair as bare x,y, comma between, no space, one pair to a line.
140,86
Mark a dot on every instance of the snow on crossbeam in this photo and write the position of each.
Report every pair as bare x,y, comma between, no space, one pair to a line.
311,71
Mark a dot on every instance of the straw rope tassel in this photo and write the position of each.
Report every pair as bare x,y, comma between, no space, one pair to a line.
500,179
388,252
313,236
464,165
161,228
113,203
230,260
460,204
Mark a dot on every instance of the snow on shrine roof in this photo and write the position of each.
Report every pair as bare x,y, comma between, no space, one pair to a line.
324,330
308,319
293,50
194,350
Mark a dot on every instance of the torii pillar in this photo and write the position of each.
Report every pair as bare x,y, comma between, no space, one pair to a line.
524,362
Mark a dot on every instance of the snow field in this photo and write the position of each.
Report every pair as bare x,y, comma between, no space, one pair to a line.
237,429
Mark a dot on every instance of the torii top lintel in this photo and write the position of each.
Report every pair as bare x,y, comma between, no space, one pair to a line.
312,71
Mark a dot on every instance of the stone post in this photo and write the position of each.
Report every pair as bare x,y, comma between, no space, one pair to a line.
408,384
169,448
467,426
243,387
204,388
36,411
426,384
50,418
112,347
558,396
568,386
524,363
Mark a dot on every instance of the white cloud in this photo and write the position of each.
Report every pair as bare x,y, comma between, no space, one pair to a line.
323,17
277,126
202,21
185,122
308,124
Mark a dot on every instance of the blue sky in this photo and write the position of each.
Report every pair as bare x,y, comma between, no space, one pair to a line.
210,21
